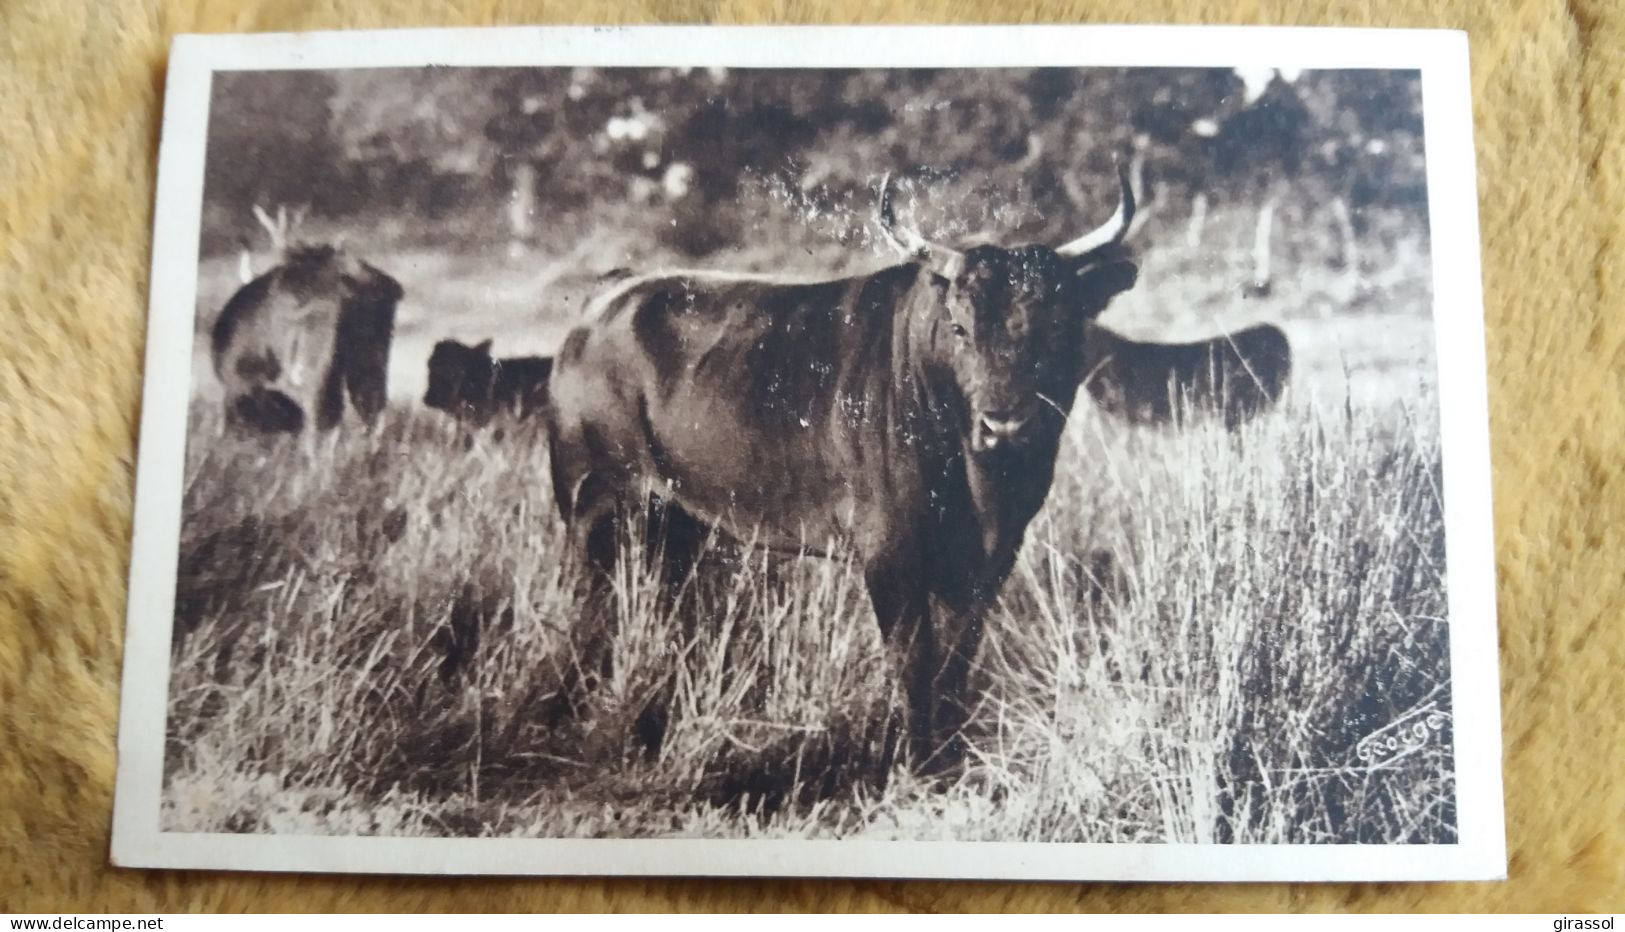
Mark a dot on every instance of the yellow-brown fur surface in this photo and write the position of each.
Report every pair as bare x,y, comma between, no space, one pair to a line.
80,94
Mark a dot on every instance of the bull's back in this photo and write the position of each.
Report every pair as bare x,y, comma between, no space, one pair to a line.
723,392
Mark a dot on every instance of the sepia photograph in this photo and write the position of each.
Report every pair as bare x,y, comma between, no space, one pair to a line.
794,455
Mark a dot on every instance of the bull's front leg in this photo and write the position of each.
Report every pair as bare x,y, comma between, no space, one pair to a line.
958,635
594,522
903,612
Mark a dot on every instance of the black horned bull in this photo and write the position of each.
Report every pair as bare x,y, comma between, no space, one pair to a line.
912,414
472,386
291,343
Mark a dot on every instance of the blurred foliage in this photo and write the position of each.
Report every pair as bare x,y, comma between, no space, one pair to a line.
684,150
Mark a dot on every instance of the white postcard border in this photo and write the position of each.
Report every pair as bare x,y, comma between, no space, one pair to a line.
1441,56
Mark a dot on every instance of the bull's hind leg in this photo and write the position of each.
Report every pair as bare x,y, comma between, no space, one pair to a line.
594,521
673,541
596,535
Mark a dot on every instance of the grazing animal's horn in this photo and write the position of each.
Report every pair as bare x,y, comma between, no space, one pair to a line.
908,240
245,265
1115,227
276,229
905,239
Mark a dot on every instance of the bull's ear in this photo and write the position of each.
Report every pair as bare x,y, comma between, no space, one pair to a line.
1110,279
483,347
1099,282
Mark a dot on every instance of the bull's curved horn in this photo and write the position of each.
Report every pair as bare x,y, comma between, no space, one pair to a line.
908,240
903,238
1115,227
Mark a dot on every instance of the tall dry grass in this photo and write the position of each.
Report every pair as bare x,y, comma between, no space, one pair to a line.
1209,637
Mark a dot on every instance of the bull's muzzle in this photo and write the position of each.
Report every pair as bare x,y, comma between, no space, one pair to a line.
995,429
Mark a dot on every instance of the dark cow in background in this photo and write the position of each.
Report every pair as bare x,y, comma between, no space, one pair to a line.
290,344
1236,376
467,383
912,415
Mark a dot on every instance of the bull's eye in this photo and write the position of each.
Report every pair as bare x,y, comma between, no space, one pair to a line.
959,332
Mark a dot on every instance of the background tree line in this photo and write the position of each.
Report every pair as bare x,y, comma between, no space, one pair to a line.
533,157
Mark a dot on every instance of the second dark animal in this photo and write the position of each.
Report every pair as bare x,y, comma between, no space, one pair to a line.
467,383
1237,376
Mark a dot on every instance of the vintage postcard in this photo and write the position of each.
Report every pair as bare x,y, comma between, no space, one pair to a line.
1006,452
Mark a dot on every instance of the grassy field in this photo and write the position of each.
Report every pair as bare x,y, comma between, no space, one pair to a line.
1209,637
